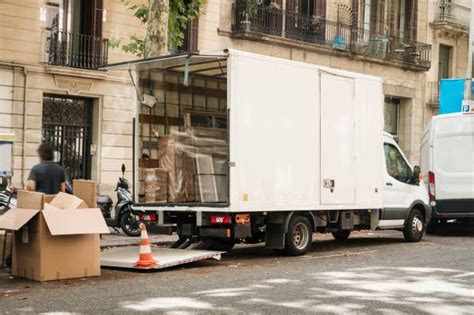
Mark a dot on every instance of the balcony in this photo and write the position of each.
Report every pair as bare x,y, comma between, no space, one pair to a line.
256,21
76,50
451,15
433,94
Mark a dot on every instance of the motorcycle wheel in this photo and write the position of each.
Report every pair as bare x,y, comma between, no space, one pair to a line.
129,224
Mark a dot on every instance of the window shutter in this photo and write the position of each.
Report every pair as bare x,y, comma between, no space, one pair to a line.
191,39
194,34
411,19
291,5
319,7
98,17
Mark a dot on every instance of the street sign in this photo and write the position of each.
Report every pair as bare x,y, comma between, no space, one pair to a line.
467,107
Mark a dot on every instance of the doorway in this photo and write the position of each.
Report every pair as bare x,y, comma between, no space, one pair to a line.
67,126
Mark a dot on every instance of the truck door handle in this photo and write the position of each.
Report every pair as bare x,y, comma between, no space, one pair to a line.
389,184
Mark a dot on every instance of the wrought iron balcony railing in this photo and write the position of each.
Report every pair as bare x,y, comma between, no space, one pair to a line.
77,50
452,13
433,93
264,19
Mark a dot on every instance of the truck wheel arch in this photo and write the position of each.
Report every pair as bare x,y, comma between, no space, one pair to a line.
306,214
420,205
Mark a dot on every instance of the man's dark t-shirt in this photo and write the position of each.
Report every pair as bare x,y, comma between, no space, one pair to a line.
48,177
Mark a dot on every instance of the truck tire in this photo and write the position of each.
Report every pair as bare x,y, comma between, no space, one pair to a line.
414,226
299,237
341,235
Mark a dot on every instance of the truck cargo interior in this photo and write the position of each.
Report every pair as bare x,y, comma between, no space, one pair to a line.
182,132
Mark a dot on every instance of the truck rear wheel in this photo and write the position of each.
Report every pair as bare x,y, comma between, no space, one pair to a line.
341,235
414,226
299,238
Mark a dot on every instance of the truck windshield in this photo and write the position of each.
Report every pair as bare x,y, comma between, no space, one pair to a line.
397,167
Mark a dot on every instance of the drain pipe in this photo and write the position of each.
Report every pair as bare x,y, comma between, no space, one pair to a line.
25,81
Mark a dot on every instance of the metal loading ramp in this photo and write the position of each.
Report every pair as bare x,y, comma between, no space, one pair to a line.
126,257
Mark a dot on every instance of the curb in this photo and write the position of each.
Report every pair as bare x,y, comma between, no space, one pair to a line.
165,243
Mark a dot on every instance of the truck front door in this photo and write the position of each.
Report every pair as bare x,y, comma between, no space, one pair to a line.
398,192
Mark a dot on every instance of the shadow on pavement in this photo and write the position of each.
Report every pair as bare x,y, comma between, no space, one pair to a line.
453,229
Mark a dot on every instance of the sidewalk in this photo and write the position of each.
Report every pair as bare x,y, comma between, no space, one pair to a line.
115,239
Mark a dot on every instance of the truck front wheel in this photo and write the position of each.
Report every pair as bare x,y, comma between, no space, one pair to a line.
299,238
414,226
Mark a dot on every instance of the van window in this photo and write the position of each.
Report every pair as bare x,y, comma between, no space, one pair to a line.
397,167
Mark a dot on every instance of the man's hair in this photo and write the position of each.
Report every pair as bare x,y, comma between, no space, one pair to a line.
46,152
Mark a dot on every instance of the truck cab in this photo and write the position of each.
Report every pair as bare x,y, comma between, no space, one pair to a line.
405,200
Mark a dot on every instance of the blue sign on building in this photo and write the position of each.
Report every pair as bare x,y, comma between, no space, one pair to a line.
451,95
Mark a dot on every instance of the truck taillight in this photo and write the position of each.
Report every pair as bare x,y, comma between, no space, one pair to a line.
220,219
431,187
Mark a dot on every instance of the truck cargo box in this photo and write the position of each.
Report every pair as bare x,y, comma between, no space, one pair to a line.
240,131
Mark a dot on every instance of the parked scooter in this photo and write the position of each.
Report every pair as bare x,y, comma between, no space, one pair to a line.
123,217
7,196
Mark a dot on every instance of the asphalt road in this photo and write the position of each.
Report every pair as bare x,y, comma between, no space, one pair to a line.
376,273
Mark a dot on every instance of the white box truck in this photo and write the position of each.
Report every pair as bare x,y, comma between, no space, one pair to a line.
447,162
303,149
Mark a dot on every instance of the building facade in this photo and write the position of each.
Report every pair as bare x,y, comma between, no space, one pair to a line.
381,38
448,34
52,88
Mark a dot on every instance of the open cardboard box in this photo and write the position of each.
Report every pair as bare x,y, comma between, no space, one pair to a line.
56,240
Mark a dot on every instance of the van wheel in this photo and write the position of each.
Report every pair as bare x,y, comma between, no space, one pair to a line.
299,238
341,235
414,226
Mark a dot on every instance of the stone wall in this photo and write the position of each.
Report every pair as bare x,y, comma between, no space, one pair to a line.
22,48
407,85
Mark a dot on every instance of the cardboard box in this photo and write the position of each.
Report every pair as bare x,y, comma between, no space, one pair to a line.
54,241
67,201
85,190
156,185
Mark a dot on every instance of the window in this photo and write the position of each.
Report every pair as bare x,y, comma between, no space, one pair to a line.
390,113
214,120
307,8
401,18
75,34
190,42
444,61
76,16
397,167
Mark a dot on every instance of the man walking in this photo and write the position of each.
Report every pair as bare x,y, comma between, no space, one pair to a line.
47,177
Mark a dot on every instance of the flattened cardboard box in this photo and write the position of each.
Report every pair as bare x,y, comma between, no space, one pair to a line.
50,243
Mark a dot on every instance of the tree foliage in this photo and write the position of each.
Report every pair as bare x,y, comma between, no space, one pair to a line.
181,12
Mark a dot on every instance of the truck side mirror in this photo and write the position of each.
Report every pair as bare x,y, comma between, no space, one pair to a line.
416,175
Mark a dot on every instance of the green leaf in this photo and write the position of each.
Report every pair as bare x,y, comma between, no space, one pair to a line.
113,42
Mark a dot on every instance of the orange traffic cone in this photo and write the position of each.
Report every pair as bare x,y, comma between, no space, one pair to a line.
145,258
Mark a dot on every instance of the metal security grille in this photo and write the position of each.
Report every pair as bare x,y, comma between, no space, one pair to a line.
67,127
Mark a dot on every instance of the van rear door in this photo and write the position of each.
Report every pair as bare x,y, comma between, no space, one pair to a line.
453,161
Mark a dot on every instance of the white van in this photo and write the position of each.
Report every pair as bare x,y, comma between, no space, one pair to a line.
447,161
